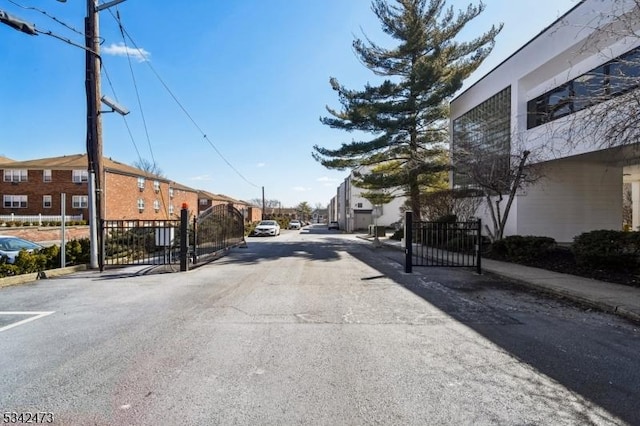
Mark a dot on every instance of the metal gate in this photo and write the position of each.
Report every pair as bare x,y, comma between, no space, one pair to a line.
217,229
141,242
451,244
168,242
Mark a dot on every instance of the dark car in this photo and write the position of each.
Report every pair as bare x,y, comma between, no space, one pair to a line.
333,225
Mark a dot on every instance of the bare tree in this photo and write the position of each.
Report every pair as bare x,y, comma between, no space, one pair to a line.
603,104
496,178
149,167
462,203
627,206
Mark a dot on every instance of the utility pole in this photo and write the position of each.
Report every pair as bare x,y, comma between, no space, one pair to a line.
95,166
94,134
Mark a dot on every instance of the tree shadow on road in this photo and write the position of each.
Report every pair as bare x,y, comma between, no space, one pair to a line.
586,365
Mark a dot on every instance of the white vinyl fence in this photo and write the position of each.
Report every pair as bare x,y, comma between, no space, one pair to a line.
38,218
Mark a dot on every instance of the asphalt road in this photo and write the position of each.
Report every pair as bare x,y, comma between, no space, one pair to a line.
311,327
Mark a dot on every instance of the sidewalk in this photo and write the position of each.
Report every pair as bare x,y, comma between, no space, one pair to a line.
619,299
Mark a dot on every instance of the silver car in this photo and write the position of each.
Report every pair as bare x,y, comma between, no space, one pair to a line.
10,246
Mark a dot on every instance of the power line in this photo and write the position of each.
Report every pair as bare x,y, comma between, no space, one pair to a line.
184,110
45,13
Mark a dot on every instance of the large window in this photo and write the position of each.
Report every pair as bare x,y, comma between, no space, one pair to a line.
80,201
79,176
46,176
46,201
598,85
14,201
16,175
483,133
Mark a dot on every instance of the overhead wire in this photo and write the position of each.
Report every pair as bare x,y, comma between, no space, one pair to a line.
184,110
45,13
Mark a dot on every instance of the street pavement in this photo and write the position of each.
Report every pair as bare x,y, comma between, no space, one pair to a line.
619,299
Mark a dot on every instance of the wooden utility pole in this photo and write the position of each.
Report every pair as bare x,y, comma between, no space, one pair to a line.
94,126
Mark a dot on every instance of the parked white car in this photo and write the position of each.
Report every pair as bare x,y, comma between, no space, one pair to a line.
10,246
267,228
295,224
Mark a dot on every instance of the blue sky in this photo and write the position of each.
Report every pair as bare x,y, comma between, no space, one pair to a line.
252,75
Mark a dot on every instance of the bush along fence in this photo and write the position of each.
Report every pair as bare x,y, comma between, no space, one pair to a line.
76,253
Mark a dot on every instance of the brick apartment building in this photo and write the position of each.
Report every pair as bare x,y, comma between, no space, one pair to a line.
207,199
35,186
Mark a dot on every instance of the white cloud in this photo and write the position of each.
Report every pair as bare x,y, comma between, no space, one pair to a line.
261,164
119,49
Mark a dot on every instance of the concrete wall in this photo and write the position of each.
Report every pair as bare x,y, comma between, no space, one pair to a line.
582,187
575,196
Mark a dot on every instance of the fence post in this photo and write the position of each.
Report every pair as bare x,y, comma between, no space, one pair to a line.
408,241
479,248
194,255
184,238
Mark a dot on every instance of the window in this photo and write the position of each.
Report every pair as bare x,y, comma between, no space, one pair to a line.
156,205
18,175
589,89
171,192
141,183
598,85
46,201
140,204
156,186
46,176
80,201
559,102
79,176
170,209
358,205
204,201
15,201
484,129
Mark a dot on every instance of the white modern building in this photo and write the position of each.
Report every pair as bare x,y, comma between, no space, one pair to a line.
555,97
353,212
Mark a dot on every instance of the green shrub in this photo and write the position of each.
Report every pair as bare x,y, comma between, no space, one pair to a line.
398,235
8,270
52,254
607,249
77,252
30,262
523,249
448,218
462,244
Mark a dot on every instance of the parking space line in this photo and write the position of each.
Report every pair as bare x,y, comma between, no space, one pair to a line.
36,315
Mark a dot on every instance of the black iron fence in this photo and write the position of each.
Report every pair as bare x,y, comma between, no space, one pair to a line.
141,242
451,244
168,242
216,229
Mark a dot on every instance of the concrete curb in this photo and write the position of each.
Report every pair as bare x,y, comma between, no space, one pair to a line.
628,312
50,273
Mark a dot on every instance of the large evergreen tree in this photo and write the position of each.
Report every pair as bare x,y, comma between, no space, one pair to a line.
407,113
